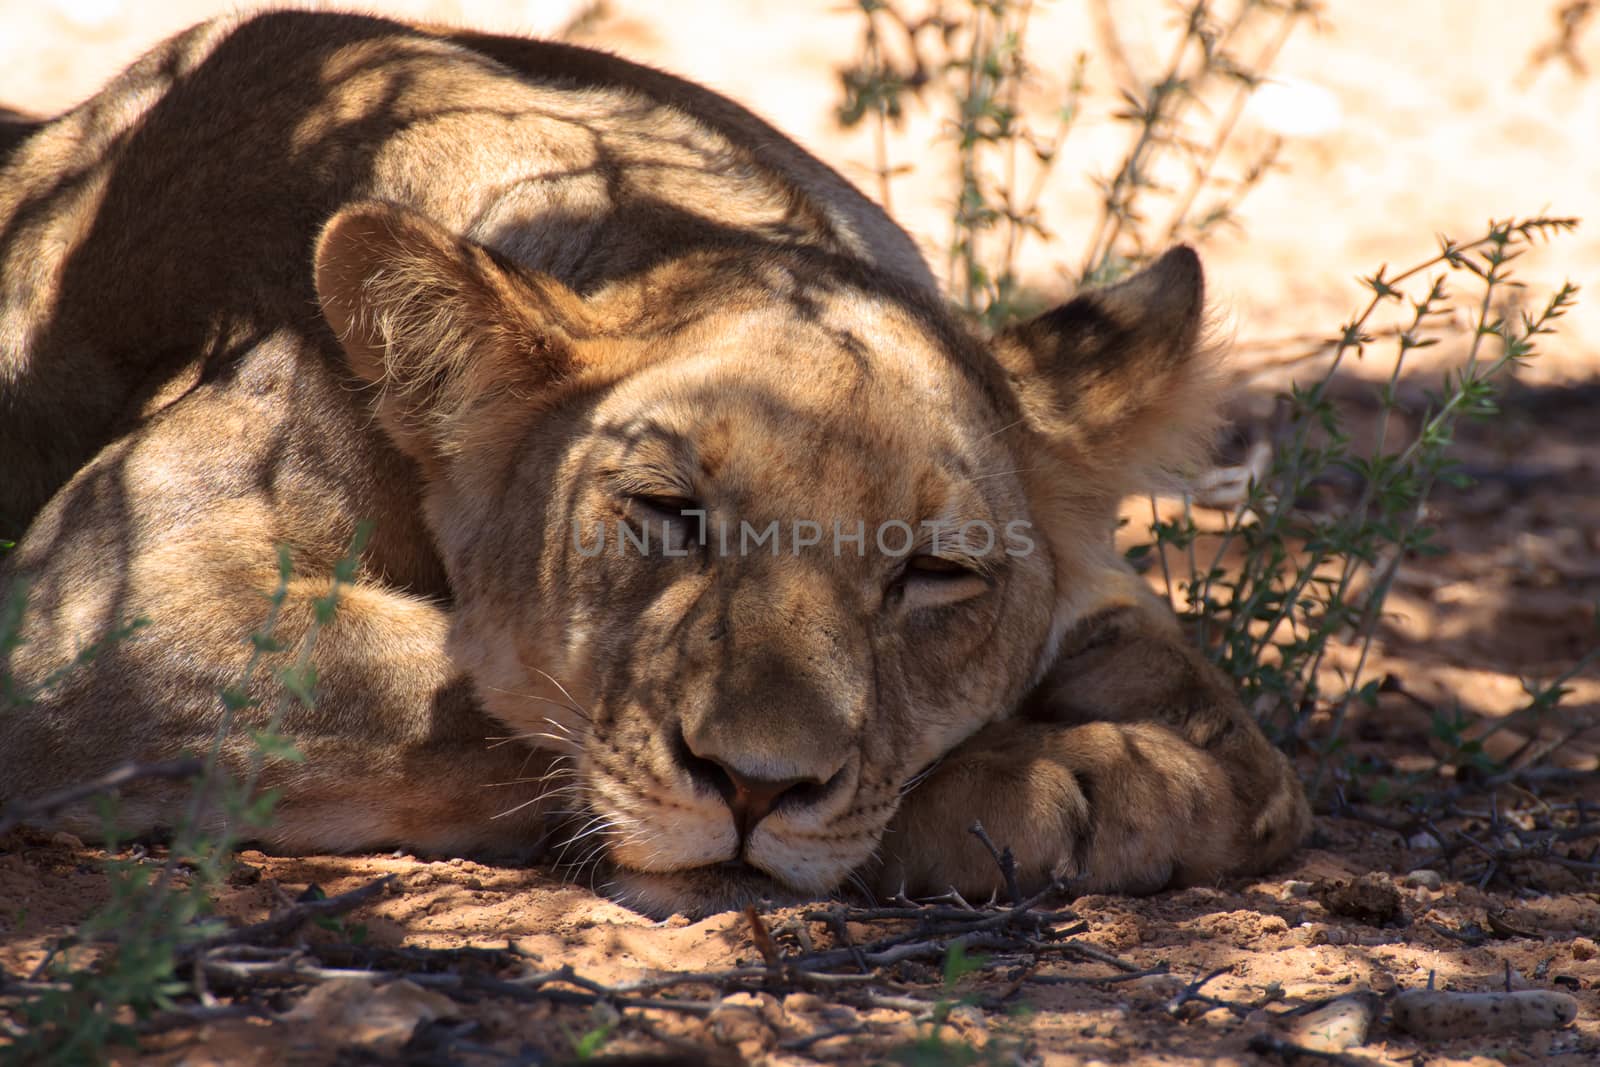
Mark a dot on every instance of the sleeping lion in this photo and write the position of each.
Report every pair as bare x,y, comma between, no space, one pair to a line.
709,546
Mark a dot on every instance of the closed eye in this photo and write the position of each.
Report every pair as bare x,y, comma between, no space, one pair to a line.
937,581
937,567
664,504
680,516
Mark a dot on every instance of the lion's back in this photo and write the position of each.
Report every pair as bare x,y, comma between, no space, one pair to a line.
155,235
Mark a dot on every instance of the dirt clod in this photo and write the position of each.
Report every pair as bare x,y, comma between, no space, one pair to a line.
1371,899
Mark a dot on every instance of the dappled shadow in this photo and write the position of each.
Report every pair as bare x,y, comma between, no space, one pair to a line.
1509,591
1507,587
240,160
164,348
151,307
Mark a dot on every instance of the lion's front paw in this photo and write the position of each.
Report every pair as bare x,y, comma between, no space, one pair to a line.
1104,807
1026,803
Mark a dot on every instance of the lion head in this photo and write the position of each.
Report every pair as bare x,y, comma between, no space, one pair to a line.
752,538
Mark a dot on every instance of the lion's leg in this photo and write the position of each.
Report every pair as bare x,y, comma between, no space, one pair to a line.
395,748
1131,768
1110,807
1132,664
179,525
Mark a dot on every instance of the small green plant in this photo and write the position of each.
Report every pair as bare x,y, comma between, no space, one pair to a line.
589,1044
957,964
1306,579
969,61
123,963
933,1048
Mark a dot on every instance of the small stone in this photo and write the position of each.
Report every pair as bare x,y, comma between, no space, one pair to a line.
1437,1014
1339,935
62,839
1511,978
1423,878
1337,1026
1422,841
358,1012
1295,888
1584,949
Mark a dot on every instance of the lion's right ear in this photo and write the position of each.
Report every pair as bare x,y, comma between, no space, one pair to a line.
440,324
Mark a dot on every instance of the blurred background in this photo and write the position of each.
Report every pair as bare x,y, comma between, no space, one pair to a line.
1393,122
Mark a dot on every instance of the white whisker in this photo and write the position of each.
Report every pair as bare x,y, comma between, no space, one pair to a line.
920,777
1001,430
572,700
516,808
1002,474
564,704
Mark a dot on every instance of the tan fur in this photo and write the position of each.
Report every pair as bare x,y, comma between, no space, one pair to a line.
302,269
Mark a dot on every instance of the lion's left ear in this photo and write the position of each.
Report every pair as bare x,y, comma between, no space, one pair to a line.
440,324
1118,381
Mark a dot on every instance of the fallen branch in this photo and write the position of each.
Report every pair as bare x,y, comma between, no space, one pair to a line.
1002,859
1097,979
243,962
200,1014
290,919
1439,1014
301,969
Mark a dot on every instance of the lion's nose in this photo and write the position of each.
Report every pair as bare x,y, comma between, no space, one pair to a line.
752,799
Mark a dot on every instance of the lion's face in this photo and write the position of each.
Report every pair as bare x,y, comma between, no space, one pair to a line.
783,568
750,554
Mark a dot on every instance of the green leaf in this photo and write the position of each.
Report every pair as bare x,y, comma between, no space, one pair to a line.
958,964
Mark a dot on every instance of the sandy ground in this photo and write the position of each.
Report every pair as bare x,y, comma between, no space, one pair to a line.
1426,119
1274,942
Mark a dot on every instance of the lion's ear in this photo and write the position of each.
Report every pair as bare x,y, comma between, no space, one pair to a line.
441,325
1117,380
